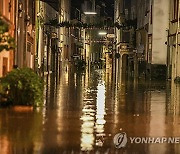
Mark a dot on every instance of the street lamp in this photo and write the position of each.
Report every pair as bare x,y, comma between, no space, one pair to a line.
90,13
102,33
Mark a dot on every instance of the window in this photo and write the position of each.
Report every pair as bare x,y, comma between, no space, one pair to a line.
149,58
151,18
5,66
29,46
176,7
1,6
126,13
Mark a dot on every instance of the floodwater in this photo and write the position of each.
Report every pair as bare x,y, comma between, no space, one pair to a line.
84,111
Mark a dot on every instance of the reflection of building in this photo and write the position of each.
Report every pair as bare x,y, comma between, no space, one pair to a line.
157,121
7,13
174,106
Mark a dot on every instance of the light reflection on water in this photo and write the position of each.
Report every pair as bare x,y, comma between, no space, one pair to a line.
92,118
100,113
85,111
87,127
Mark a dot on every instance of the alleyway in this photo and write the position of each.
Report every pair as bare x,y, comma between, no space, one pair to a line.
83,112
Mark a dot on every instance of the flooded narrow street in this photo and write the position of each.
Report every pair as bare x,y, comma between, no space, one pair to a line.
84,111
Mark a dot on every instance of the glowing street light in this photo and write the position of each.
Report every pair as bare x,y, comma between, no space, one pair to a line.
90,13
102,33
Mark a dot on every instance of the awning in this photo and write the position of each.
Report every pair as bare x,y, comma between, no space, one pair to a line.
53,3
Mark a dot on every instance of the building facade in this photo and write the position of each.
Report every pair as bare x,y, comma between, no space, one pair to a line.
25,33
52,40
152,25
125,15
173,41
7,14
148,21
160,25
64,33
46,36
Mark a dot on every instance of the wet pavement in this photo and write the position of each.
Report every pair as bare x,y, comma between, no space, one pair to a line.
84,111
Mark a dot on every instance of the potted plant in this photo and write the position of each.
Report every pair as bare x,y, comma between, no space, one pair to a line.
23,87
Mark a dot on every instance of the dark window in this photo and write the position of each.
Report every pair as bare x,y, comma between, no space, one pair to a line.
176,7
149,58
151,14
1,6
29,47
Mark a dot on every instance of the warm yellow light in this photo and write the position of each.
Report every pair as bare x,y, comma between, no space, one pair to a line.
102,33
90,13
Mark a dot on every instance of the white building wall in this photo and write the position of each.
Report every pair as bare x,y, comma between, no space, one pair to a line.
160,25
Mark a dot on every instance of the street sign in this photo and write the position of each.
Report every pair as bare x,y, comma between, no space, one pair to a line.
110,35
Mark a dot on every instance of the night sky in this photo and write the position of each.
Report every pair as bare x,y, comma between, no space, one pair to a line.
109,5
109,8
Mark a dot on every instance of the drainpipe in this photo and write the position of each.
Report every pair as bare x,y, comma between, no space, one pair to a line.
37,25
25,34
176,73
168,56
177,63
16,33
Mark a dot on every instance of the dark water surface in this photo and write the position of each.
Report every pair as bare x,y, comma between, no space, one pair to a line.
83,113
